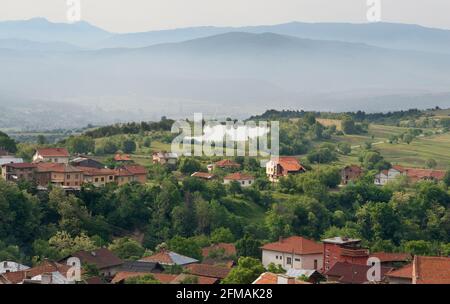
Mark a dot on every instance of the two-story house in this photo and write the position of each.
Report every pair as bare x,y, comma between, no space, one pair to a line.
295,252
283,166
51,155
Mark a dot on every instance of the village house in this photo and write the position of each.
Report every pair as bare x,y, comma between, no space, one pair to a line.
86,162
15,172
165,158
138,172
123,158
351,174
400,276
103,259
294,252
414,175
51,155
170,258
210,271
308,275
344,250
58,174
98,177
10,266
225,164
47,272
283,166
203,175
219,254
245,180
10,159
394,260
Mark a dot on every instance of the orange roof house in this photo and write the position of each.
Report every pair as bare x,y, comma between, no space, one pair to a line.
227,164
295,252
122,158
210,271
245,180
53,155
283,166
268,278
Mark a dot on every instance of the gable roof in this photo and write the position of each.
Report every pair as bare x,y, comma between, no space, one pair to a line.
238,176
142,267
289,163
91,171
20,165
227,163
57,167
101,258
295,244
353,273
122,157
53,152
135,169
404,272
203,175
166,257
270,278
208,270
431,270
392,257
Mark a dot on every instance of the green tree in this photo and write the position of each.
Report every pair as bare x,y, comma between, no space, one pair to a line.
246,272
128,146
7,143
348,126
222,235
248,247
127,249
185,246
344,148
145,279
80,144
275,268
189,165
431,163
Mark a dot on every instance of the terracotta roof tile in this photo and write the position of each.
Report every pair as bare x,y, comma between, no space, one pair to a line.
295,244
53,152
238,176
208,270
226,163
404,272
229,249
392,257
431,270
102,258
353,273
122,157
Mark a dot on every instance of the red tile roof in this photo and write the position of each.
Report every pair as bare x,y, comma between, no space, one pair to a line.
226,163
269,278
238,176
352,273
57,167
94,171
20,165
210,271
431,270
53,152
122,157
404,272
425,174
201,280
45,267
290,164
392,257
135,169
295,244
203,175
229,249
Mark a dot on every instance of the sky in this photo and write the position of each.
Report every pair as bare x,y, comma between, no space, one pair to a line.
144,15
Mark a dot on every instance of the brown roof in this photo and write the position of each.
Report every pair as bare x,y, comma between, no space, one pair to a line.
101,258
354,168
46,267
353,273
203,175
238,176
20,165
229,249
431,270
210,271
57,167
404,272
94,171
135,169
295,244
166,257
392,257
227,163
290,163
53,152
201,280
122,157
425,174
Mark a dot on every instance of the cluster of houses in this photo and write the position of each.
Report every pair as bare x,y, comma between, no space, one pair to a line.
337,260
217,262
54,166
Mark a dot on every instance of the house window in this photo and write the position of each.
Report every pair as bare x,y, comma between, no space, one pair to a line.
102,179
289,261
68,176
297,260
243,182
110,178
77,176
96,179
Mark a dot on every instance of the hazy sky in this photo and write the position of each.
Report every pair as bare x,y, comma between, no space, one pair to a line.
143,15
